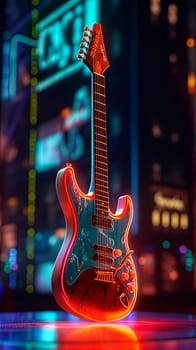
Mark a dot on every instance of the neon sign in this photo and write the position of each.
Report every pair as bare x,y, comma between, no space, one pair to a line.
168,202
169,209
52,148
55,46
59,37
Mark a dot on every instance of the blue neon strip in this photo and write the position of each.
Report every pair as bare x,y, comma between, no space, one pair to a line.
134,146
44,84
91,12
16,39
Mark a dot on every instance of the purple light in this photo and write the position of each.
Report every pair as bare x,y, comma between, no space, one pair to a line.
183,249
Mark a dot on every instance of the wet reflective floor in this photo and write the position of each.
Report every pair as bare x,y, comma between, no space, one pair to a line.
54,330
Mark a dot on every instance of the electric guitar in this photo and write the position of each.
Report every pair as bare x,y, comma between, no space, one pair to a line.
94,276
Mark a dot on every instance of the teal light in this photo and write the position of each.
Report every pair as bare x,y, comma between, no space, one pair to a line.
166,244
39,236
62,74
81,13
116,44
189,260
57,13
5,72
91,14
61,54
7,268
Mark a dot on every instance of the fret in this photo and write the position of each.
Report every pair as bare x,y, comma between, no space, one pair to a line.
102,212
97,135
103,183
99,85
101,91
102,204
97,120
100,134
100,127
98,93
103,154
101,187
100,173
102,103
99,75
99,161
100,144
100,107
102,201
104,197
100,141
99,111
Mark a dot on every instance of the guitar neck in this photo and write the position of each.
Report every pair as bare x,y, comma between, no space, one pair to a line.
100,145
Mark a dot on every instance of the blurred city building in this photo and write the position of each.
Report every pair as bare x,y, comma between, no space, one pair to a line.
45,123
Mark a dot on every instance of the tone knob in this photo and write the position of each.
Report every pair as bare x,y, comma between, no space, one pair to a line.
117,253
132,274
131,287
124,276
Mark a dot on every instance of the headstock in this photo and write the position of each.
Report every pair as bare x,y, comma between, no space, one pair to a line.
92,50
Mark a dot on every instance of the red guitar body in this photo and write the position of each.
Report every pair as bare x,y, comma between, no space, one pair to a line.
94,275
79,284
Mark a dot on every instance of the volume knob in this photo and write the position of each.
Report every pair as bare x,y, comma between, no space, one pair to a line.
131,287
124,276
117,253
132,274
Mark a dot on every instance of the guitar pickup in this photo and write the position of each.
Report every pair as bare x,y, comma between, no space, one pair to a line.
102,221
102,249
103,259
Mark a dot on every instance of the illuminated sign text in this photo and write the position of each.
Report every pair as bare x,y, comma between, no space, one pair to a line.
168,202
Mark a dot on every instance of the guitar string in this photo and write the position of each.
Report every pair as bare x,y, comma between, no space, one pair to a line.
102,201
97,155
96,161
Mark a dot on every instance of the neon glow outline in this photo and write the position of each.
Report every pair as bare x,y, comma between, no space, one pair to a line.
134,155
123,206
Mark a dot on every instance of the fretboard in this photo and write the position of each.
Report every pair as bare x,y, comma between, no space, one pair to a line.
100,146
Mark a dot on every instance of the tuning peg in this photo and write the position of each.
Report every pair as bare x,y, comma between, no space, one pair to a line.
86,28
86,34
80,57
84,40
81,54
82,46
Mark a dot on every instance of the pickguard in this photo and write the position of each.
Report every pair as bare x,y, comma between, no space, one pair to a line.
114,259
